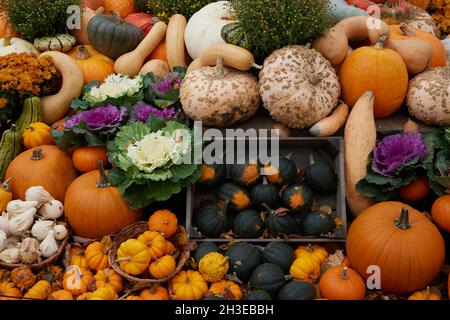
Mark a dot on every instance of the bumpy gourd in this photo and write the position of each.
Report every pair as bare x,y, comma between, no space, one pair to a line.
213,266
32,112
10,147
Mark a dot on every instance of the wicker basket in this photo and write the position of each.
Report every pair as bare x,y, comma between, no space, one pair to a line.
46,262
133,231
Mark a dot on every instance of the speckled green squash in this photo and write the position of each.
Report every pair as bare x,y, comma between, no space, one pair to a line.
234,33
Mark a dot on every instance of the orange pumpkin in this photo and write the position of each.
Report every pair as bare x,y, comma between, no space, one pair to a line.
415,191
133,298
95,65
422,4
46,166
8,291
58,125
163,221
97,254
376,69
318,253
427,294
305,268
402,242
162,267
78,281
342,283
81,33
170,248
441,212
86,159
155,243
122,7
157,292
5,27
403,32
85,296
37,134
79,261
227,289
61,295
94,208
159,53
108,278
92,4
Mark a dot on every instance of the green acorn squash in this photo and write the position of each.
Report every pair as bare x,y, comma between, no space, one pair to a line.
248,224
297,197
280,254
268,277
257,295
203,249
213,220
243,259
238,196
297,290
264,193
285,173
280,221
317,224
321,176
211,175
245,174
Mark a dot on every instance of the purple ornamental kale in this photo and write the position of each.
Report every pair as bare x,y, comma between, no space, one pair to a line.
171,81
392,152
98,119
143,111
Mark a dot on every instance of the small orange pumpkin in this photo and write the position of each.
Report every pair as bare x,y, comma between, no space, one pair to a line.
5,195
157,292
427,294
227,289
415,191
108,278
134,298
61,295
104,294
155,243
23,277
37,134
85,296
5,27
78,281
162,267
8,291
78,261
85,159
342,283
122,7
163,221
97,254
95,65
305,268
441,212
318,253
170,249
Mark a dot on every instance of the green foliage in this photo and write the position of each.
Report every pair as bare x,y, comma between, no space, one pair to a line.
164,9
38,18
270,25
439,168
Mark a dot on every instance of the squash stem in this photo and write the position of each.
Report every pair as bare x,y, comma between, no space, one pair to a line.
219,67
344,274
37,154
103,183
82,53
403,222
311,159
7,40
381,41
268,209
122,259
5,184
407,31
223,211
427,293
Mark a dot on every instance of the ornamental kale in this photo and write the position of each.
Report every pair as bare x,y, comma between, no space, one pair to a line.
164,93
439,168
143,111
148,161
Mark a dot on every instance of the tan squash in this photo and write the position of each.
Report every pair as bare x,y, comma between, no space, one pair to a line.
175,41
233,56
331,124
81,33
131,63
56,106
415,53
334,45
158,67
360,138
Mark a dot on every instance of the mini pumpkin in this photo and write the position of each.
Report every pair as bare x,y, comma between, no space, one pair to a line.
104,294
85,159
427,294
97,254
122,7
305,268
8,291
5,195
155,243
163,221
23,277
213,266
40,290
441,212
133,256
227,289
78,281
133,298
95,66
189,285
37,134
342,283
316,252
417,190
85,296
61,295
60,42
108,278
163,267
157,292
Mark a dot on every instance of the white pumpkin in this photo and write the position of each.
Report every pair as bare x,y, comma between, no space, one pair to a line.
204,28
298,86
219,96
420,19
16,45
428,94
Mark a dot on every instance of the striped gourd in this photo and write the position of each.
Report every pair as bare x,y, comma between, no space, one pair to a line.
32,112
234,33
10,147
61,42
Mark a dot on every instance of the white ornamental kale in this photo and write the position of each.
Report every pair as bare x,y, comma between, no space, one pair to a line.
115,86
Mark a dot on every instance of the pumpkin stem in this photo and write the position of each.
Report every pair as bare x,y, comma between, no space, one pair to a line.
219,67
265,182
223,211
381,41
82,53
7,40
344,274
5,184
268,209
37,154
407,31
315,79
103,183
116,16
427,293
311,159
122,260
256,66
403,222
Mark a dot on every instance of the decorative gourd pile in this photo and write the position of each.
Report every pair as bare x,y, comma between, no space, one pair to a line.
263,206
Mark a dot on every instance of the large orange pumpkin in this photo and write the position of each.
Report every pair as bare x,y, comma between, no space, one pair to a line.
94,208
122,7
342,283
86,159
5,27
45,166
95,66
376,69
401,241
441,212
403,32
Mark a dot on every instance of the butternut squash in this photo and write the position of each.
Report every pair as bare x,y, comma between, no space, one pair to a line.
416,53
360,138
175,41
57,105
158,67
233,56
334,45
131,63
331,124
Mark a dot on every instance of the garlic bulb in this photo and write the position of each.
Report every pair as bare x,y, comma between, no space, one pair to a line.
60,232
3,240
22,222
10,255
4,223
18,206
48,246
38,194
13,242
52,210
29,251
41,228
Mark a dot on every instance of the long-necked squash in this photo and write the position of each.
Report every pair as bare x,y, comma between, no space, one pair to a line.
360,139
56,106
233,56
158,67
131,63
175,41
331,124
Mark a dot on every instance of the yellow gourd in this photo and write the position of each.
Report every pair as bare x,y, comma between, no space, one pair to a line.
159,68
131,63
37,134
213,266
175,41
133,256
104,294
57,105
